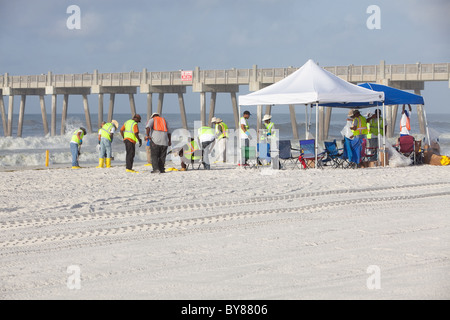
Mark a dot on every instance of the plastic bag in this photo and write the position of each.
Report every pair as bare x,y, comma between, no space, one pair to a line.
396,159
347,132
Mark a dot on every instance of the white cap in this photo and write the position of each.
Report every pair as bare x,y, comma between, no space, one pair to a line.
267,117
154,114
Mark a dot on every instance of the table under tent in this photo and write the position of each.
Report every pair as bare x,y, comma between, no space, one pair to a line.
308,85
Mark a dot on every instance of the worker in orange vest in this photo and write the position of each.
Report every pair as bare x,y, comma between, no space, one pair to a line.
160,139
405,123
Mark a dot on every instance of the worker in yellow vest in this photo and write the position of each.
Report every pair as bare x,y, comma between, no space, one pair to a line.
372,123
130,135
190,154
245,137
221,132
270,128
106,136
206,138
359,125
75,146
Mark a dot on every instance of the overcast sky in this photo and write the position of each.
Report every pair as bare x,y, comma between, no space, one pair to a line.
165,35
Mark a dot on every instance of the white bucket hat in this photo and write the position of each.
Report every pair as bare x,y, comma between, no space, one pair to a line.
267,117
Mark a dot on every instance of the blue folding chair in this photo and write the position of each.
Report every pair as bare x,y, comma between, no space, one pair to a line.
285,153
308,153
333,155
352,151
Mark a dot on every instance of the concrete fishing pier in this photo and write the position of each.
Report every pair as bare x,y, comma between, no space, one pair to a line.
401,76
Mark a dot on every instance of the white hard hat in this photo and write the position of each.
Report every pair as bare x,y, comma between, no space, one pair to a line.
155,114
267,117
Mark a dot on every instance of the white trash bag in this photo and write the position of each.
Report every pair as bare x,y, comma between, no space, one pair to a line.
396,159
347,132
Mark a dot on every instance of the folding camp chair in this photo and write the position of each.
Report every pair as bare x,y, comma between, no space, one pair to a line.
263,154
333,155
370,150
308,153
352,152
406,146
285,153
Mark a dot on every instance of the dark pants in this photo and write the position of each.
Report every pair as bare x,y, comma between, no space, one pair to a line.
206,147
245,144
130,148
159,154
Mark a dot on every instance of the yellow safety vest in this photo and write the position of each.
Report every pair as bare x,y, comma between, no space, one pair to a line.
205,130
246,125
361,127
105,131
374,127
75,136
189,151
269,130
129,133
224,133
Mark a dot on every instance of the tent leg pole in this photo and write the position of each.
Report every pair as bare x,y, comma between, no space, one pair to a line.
238,134
426,126
316,166
378,136
258,121
384,140
328,111
306,121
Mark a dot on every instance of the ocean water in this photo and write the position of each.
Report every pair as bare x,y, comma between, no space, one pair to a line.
29,151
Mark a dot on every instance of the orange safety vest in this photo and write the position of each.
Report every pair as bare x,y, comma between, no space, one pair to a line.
408,124
159,124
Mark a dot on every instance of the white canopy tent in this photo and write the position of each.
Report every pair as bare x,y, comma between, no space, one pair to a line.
310,84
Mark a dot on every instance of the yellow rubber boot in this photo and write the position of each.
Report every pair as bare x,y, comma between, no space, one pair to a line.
108,162
101,163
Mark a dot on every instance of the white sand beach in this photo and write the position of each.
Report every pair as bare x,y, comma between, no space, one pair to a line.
227,233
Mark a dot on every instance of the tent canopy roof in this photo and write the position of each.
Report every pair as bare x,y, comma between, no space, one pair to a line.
311,84
392,96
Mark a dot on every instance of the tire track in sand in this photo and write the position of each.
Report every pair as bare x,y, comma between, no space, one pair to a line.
90,236
78,218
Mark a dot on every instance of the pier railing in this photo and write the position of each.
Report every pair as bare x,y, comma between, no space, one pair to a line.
369,73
